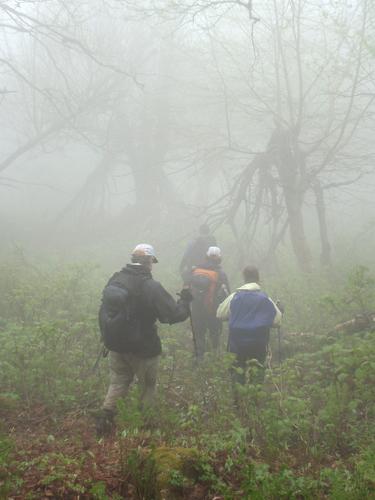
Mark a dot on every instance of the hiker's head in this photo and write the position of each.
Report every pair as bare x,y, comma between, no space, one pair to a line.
144,254
204,229
214,255
251,274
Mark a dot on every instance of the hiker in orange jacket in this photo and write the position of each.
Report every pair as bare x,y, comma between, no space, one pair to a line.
209,286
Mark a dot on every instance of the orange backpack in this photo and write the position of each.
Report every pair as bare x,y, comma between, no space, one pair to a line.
204,284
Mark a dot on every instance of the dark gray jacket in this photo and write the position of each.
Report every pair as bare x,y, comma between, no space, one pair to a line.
154,303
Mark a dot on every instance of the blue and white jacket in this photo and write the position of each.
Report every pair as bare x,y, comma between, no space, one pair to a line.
250,313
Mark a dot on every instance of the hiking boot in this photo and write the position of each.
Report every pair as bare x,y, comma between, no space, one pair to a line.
104,423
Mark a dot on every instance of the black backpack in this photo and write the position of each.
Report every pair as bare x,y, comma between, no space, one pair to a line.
118,314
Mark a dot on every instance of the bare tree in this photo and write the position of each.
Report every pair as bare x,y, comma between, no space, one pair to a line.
306,80
265,103
37,38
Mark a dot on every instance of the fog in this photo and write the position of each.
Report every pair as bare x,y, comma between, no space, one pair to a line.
137,121
137,359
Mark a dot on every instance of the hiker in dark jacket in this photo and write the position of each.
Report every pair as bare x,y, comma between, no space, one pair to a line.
209,286
251,314
139,356
195,252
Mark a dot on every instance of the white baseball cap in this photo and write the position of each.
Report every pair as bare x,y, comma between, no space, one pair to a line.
144,249
213,252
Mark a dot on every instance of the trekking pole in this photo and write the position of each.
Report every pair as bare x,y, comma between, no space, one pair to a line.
193,333
279,331
279,344
102,353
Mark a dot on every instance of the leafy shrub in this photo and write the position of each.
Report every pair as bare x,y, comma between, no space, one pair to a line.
49,334
6,477
306,432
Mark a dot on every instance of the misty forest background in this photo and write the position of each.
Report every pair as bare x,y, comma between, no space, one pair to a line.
126,121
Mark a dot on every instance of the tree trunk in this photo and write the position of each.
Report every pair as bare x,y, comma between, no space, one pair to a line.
297,230
290,165
325,256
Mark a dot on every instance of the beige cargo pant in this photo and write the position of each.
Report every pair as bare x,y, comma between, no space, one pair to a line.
123,367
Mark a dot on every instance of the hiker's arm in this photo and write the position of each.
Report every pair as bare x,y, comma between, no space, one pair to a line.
223,310
223,288
167,309
226,282
278,316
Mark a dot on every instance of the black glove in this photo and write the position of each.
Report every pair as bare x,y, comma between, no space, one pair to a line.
185,295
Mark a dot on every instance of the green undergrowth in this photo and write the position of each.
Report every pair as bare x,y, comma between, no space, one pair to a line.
306,432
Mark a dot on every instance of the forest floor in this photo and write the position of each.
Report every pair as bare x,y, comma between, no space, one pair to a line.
305,433
60,458
56,455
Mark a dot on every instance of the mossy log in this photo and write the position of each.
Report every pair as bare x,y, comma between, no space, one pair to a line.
169,473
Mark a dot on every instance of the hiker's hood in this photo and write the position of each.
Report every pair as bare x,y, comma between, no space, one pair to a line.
251,287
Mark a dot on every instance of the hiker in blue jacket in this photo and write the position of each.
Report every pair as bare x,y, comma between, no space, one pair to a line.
251,314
